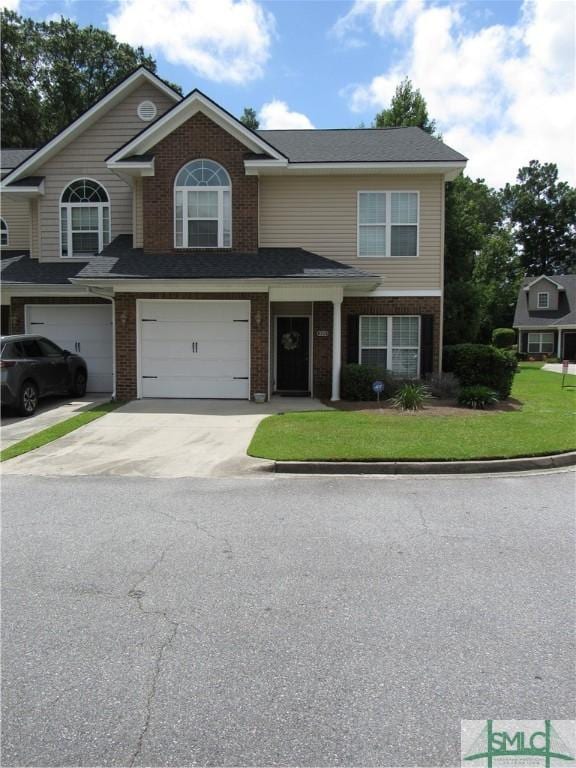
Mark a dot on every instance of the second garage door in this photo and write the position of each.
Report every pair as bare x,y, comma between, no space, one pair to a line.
194,349
82,328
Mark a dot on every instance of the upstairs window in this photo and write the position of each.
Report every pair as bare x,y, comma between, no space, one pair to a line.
388,224
543,300
202,206
84,218
3,232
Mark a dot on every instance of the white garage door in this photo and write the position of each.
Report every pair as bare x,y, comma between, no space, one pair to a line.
85,329
194,349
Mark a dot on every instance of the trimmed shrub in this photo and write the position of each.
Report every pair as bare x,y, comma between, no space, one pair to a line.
482,364
477,396
411,396
444,387
503,338
357,382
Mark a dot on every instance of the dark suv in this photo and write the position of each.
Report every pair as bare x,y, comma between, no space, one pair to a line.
32,367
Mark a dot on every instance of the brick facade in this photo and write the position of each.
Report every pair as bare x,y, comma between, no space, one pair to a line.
126,334
400,305
198,138
322,349
17,307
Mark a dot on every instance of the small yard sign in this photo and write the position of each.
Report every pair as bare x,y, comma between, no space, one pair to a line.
378,388
565,371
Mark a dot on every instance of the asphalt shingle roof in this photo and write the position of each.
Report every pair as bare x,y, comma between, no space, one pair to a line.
10,158
539,318
120,261
350,145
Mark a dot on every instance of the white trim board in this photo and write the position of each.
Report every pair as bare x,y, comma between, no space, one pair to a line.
87,118
195,102
384,292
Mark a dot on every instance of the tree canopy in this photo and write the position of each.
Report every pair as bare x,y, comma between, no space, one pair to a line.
249,118
542,213
407,108
52,71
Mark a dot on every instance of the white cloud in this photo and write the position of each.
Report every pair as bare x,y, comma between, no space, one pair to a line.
502,95
276,114
222,40
10,5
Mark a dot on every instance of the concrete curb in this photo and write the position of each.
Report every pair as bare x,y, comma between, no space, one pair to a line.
425,467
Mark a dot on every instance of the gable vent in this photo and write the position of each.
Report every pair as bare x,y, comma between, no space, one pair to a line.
147,111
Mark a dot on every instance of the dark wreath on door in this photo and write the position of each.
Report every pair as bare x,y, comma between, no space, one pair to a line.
292,354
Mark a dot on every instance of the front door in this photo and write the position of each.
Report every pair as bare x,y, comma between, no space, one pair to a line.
569,346
293,354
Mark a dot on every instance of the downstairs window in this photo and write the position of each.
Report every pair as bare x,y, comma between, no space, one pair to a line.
391,342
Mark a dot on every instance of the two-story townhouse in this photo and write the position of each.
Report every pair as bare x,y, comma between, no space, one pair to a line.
185,255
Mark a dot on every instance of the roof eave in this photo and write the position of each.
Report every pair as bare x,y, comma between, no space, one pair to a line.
449,169
86,119
194,102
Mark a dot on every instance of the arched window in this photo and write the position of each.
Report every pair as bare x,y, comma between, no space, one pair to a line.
3,232
202,206
84,218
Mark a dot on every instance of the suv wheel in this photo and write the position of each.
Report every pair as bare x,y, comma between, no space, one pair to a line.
79,385
28,399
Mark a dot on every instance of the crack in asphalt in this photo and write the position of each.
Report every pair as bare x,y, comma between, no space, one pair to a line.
200,528
138,595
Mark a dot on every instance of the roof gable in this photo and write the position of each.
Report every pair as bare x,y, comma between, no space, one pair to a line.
88,118
196,101
543,277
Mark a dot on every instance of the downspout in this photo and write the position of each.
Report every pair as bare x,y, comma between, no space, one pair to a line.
95,292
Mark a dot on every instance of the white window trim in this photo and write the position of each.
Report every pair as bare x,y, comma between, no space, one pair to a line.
69,206
186,218
389,345
4,230
540,341
543,306
388,224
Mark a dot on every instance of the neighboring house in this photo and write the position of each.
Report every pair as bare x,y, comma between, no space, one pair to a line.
185,255
545,317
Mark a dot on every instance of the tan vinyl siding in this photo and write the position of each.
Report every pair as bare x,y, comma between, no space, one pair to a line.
319,213
16,214
137,213
85,158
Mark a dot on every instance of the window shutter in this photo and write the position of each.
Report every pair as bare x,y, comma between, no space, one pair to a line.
426,344
352,352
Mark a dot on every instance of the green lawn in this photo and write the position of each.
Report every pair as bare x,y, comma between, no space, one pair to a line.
546,424
57,430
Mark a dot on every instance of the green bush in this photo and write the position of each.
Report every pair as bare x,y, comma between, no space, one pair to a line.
503,338
357,382
481,364
411,396
477,396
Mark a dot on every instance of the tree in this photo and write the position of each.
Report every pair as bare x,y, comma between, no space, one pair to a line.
498,274
542,213
408,107
473,211
249,118
53,71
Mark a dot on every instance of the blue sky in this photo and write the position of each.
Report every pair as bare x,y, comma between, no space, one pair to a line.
498,76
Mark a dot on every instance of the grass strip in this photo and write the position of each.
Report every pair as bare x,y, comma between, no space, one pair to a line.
56,431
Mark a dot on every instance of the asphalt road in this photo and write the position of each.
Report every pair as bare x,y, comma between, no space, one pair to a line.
278,621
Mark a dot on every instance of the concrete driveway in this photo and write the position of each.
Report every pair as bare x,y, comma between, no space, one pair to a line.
50,411
161,438
557,367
